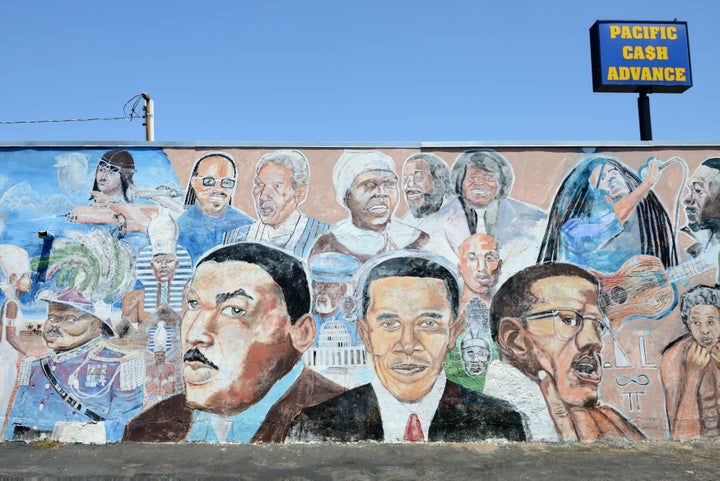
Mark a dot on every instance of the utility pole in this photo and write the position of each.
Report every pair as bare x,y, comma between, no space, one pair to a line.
149,117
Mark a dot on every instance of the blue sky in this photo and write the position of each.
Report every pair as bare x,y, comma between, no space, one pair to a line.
329,71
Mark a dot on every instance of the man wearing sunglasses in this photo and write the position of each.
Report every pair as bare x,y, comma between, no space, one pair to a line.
549,327
208,213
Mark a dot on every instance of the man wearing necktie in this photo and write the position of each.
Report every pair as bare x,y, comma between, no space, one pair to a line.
409,320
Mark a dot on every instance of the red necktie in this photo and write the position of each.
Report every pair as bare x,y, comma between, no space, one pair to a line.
413,430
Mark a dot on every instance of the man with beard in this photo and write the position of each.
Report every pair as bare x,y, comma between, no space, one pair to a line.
367,186
85,388
548,326
410,319
208,210
690,368
331,274
280,186
244,330
433,207
702,208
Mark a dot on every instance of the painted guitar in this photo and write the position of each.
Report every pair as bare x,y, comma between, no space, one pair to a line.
643,288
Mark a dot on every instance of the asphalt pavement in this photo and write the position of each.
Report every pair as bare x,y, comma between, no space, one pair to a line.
446,462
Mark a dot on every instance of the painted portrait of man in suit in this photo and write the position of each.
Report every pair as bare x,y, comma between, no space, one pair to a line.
244,330
409,320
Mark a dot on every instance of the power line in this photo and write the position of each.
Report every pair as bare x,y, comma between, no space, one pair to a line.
10,122
126,116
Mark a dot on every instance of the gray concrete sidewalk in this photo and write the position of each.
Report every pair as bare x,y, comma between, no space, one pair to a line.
447,462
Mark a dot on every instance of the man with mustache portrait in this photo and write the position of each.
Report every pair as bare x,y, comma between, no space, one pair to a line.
702,208
245,327
331,275
548,326
280,185
433,206
367,186
409,319
85,388
208,210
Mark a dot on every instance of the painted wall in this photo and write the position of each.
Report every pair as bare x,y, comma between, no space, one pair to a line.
329,294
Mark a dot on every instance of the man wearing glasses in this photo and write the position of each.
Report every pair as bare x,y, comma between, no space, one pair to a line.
208,213
549,327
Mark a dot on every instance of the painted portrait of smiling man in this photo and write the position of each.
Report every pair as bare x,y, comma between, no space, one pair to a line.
209,212
409,320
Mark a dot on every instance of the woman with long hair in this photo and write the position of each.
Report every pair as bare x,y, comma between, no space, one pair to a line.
603,214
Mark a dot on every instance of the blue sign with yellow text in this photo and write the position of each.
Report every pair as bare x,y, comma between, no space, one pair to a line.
640,56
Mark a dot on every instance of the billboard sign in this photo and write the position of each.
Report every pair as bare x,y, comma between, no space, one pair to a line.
640,56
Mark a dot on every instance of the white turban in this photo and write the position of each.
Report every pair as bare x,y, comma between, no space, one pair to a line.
14,260
355,162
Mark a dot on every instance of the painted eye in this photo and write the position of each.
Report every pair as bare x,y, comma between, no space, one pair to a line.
569,319
390,324
429,323
193,304
233,311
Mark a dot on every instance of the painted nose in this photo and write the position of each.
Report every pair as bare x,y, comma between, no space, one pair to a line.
197,333
408,339
588,336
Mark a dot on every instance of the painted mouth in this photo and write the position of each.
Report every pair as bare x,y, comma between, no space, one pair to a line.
414,195
409,369
197,373
52,336
480,192
483,279
378,208
266,210
587,367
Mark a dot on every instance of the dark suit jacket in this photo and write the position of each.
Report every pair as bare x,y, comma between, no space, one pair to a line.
462,415
170,420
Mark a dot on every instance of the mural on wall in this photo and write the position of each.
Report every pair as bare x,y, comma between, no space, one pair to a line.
397,295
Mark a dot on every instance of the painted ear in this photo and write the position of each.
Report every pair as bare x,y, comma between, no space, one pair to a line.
302,333
362,328
511,338
456,328
300,193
